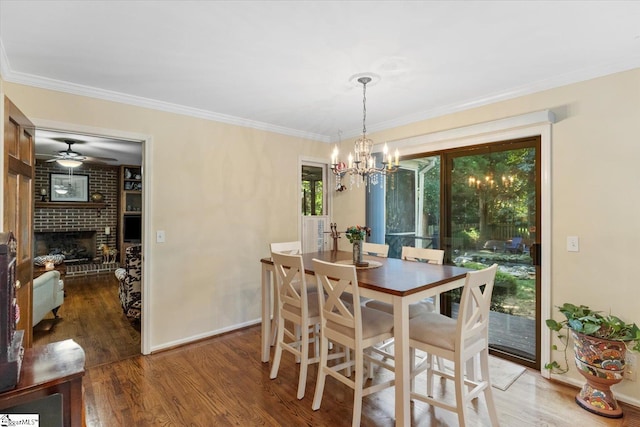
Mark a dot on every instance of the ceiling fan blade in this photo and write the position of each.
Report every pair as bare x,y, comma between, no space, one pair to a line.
100,159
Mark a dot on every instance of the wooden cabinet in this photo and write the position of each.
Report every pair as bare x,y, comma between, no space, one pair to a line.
129,208
56,368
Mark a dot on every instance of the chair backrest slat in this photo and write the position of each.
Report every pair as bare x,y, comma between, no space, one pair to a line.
294,247
376,249
291,284
333,281
431,256
475,304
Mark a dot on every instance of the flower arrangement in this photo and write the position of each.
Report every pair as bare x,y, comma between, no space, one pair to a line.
357,232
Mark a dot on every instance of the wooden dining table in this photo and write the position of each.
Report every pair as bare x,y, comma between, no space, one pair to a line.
394,281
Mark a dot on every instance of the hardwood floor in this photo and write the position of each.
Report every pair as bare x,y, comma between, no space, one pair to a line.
221,381
91,315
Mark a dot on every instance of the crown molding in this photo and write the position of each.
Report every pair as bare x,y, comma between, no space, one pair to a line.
138,101
106,95
527,89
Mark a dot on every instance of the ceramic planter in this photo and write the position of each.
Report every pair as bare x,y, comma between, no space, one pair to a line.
602,363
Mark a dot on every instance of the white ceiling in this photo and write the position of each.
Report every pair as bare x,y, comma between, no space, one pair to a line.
286,66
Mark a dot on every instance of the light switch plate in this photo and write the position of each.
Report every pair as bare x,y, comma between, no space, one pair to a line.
573,244
160,236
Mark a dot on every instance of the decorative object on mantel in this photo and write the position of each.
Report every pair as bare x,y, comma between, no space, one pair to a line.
600,346
362,163
97,197
356,235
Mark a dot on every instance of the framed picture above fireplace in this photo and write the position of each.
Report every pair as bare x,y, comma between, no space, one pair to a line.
69,188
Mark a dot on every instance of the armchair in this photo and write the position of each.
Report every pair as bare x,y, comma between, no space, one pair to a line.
48,295
129,282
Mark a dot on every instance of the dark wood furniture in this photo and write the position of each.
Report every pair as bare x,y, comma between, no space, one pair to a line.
40,270
396,282
55,368
10,338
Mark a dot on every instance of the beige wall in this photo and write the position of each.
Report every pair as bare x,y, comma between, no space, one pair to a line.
219,213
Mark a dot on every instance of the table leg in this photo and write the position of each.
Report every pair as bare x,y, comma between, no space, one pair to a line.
402,362
266,311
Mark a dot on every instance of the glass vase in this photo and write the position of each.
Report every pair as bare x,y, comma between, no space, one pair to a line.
357,254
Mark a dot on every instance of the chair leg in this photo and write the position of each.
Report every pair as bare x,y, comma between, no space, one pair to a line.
304,362
370,369
357,389
430,375
316,340
461,404
278,353
298,333
488,393
322,365
274,331
412,366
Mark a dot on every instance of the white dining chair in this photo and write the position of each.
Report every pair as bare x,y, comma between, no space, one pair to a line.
372,249
409,253
457,340
375,249
430,256
292,248
351,326
297,315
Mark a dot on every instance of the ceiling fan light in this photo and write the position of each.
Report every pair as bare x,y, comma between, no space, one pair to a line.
68,163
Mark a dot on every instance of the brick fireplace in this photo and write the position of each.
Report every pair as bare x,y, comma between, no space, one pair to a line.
85,225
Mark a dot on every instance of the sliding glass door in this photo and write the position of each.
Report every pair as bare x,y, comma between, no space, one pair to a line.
481,205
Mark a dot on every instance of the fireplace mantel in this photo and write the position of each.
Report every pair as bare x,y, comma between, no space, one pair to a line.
78,205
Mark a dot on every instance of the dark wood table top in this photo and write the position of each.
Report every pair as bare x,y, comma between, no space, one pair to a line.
54,363
40,270
394,276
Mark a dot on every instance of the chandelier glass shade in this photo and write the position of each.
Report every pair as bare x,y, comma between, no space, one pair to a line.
361,165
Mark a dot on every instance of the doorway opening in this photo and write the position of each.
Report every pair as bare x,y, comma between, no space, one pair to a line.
103,163
314,206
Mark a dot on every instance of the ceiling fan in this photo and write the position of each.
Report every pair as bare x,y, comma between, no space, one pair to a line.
71,159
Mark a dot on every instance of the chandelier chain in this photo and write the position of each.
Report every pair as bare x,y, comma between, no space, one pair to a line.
364,108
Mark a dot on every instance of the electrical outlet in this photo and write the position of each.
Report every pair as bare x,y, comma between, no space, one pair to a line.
160,236
573,244
631,370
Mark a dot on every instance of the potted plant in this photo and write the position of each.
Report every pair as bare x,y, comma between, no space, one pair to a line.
600,345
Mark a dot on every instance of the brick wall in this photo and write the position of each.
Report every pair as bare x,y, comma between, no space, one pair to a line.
103,179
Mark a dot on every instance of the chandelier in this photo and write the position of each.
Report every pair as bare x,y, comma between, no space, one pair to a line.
361,166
